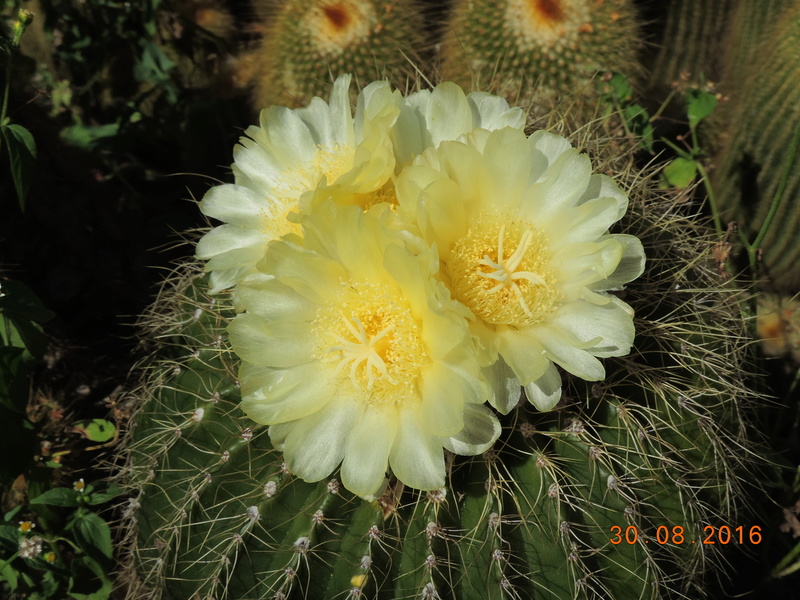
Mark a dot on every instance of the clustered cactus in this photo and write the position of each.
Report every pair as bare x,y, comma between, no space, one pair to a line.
609,495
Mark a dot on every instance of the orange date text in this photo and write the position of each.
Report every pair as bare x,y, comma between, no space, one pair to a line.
677,535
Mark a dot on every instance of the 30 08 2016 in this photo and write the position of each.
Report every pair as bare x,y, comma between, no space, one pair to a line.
676,535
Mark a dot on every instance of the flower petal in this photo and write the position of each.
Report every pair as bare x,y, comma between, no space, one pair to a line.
315,445
492,112
630,266
417,458
449,114
506,390
273,396
481,430
610,323
560,187
443,403
366,456
234,204
266,297
567,351
523,353
270,343
226,238
545,392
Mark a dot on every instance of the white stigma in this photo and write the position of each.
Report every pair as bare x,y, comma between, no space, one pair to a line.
362,350
504,271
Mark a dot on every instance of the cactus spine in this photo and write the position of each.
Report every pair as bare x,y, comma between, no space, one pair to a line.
541,47
661,443
308,43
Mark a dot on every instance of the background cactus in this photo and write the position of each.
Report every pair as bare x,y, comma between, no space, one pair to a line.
308,43
531,52
661,443
690,42
761,117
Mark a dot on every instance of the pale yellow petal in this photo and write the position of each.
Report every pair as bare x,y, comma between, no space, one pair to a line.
417,457
271,396
315,445
481,430
271,343
366,456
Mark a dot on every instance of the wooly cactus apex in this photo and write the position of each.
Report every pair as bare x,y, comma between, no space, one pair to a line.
532,52
308,43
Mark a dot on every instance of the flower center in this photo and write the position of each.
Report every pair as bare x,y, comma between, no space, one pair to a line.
501,271
373,342
385,193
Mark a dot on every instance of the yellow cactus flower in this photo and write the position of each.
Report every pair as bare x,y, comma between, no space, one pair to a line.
521,225
290,154
354,353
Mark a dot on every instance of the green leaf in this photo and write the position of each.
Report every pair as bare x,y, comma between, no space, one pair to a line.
88,580
638,122
22,154
17,433
699,105
620,86
97,430
14,371
112,492
9,575
49,584
60,496
11,514
88,136
19,299
91,531
680,172
29,334
9,537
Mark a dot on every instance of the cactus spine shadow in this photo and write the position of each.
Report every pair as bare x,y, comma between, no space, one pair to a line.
663,442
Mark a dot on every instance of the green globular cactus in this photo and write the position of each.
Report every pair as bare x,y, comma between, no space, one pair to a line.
762,115
535,51
608,496
308,43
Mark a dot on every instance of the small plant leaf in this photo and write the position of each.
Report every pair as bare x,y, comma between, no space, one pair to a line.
60,496
680,172
92,532
89,137
9,575
87,575
700,104
112,492
19,299
638,121
22,154
96,430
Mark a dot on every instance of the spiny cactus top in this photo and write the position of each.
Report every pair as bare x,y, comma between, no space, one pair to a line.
399,268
